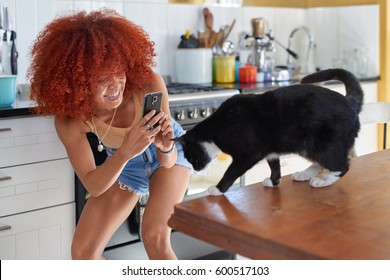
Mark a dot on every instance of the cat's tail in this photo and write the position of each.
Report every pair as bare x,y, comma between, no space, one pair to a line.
352,85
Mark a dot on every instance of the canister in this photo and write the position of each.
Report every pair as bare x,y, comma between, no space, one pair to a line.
7,90
247,73
224,68
194,66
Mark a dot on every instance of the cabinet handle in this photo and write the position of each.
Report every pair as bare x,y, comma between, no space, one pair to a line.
4,227
5,129
4,178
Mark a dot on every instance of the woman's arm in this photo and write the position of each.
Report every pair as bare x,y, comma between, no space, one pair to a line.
166,152
97,180
72,133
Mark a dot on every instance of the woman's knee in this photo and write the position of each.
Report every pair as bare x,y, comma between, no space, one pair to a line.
156,236
84,252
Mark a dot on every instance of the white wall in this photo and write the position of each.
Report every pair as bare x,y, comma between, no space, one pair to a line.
335,29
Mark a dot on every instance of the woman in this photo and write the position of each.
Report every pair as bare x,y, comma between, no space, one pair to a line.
91,71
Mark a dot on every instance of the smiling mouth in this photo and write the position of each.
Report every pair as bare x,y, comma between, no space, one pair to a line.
113,96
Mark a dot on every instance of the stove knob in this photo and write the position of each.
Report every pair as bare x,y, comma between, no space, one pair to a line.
180,115
193,114
205,112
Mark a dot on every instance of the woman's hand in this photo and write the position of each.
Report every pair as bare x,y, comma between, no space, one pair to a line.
141,135
163,138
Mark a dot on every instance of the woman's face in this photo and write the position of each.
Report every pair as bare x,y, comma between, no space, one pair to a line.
109,90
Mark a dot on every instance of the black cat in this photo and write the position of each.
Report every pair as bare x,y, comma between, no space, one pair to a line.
315,122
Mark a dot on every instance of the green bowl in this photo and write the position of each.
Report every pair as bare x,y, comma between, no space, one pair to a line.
7,90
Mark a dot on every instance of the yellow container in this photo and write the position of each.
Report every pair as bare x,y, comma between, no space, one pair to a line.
224,68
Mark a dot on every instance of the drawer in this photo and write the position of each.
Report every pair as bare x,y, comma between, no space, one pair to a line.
33,186
28,140
42,234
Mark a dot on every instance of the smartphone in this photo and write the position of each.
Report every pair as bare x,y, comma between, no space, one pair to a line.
152,101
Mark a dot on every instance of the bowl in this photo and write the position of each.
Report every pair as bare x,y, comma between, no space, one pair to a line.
7,90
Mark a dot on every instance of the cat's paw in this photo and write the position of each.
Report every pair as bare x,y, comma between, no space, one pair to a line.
268,183
214,191
326,180
301,176
318,182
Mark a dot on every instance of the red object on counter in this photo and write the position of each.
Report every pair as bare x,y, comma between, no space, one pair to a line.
247,73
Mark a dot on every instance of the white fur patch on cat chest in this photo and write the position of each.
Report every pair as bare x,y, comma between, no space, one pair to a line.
211,149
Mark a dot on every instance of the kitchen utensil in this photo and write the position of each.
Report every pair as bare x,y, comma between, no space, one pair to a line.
7,90
7,20
219,39
228,48
2,17
208,36
229,29
208,19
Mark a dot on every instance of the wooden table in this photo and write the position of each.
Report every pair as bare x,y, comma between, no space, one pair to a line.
348,220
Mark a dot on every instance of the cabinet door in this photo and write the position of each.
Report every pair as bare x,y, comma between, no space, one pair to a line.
33,186
42,234
29,140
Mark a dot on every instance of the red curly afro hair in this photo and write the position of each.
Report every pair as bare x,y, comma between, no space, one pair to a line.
71,52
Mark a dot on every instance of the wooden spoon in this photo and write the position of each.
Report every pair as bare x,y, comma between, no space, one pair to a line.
229,30
208,19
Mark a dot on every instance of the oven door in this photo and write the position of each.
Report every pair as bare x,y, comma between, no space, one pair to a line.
210,176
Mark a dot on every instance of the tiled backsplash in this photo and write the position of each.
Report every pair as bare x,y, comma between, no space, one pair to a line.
336,30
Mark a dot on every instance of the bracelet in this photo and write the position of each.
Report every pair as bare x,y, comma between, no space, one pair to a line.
167,153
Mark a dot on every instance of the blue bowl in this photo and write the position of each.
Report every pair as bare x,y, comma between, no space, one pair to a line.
7,90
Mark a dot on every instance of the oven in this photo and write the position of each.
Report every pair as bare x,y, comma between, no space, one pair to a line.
189,105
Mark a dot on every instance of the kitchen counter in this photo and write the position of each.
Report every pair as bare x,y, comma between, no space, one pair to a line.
18,109
262,87
25,108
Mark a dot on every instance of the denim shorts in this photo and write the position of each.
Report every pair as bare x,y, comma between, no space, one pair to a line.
135,175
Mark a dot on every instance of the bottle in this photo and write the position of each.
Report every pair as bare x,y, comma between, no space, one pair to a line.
13,55
6,55
1,65
238,65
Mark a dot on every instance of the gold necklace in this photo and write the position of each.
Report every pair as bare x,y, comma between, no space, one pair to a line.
100,147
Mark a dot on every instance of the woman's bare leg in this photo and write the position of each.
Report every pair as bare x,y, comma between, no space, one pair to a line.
167,188
99,220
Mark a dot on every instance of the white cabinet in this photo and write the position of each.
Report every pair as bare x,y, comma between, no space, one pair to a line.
37,209
365,143
40,234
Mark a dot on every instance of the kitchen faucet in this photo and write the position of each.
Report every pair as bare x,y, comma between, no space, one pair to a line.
308,64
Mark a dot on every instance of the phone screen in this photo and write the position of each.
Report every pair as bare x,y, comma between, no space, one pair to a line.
152,101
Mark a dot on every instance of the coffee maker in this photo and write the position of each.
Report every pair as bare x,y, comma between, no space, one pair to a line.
263,47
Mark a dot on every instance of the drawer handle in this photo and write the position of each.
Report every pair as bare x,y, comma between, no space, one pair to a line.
5,129
4,178
4,227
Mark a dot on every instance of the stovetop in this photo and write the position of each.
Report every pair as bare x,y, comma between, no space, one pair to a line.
190,88
195,92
